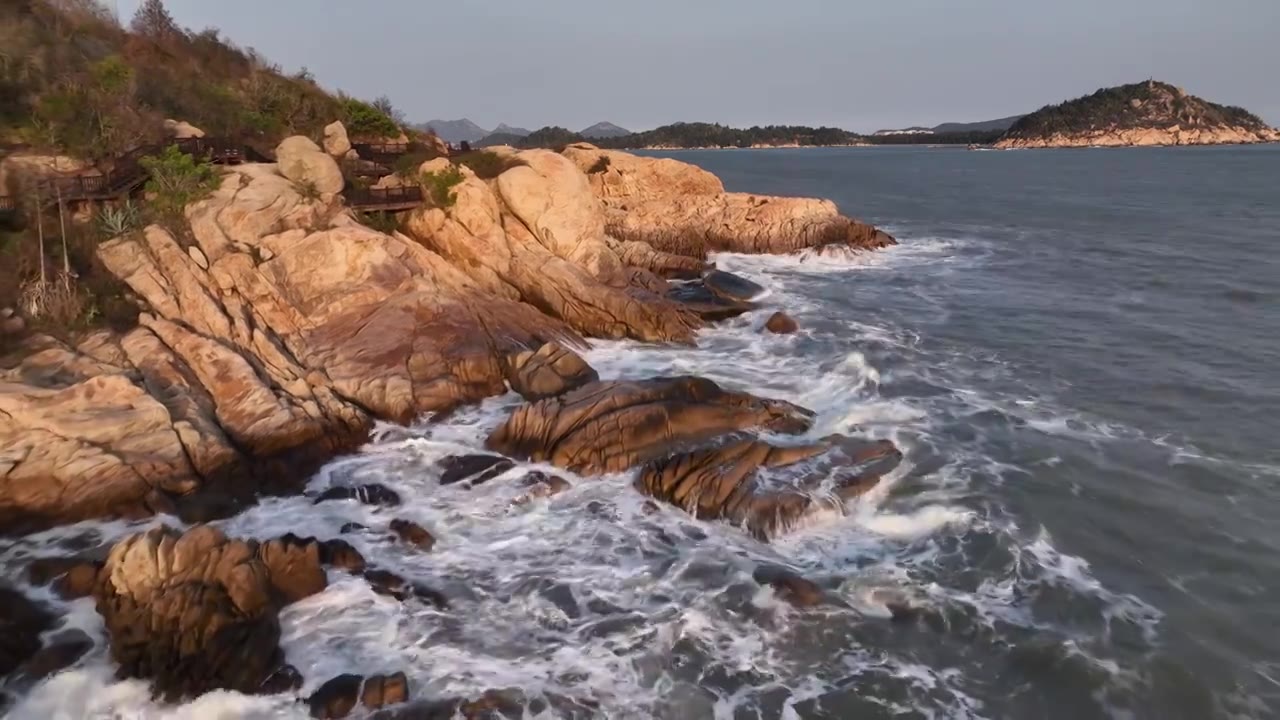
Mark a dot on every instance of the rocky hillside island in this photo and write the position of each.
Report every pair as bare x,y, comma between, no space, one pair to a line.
1142,114
281,282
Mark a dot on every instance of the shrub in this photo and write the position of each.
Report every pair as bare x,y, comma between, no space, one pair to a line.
600,166
177,180
384,222
485,164
364,120
439,186
407,165
308,190
119,220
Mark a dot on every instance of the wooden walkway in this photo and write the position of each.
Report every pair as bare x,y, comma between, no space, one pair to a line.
127,174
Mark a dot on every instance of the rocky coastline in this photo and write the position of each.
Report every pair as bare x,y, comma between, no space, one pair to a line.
1146,137
277,329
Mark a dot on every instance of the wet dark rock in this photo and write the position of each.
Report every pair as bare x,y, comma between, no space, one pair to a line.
71,577
732,287
789,586
477,468
351,527
372,494
21,622
552,370
613,426
340,554
385,582
336,698
382,690
61,652
721,482
506,704
781,323
541,485
697,298
293,565
561,596
413,533
285,679
612,625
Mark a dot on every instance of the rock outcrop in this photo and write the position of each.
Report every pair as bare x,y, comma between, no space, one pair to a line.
536,235
611,426
680,209
246,375
279,329
304,163
197,612
725,482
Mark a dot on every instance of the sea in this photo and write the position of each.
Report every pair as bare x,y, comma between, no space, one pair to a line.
1078,352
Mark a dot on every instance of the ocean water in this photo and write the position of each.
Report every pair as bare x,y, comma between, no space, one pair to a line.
1078,352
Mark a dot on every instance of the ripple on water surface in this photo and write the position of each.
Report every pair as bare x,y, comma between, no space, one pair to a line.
944,597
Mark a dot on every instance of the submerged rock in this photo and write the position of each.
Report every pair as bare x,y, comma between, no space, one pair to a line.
336,698
476,468
385,582
732,287
707,305
372,494
21,623
413,534
612,426
790,587
722,482
781,323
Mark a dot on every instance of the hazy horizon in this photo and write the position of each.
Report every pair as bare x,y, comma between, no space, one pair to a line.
752,62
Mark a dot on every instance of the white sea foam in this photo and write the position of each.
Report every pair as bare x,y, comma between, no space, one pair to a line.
588,595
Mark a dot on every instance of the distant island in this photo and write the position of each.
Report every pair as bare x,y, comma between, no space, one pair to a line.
691,135
1141,114
1148,113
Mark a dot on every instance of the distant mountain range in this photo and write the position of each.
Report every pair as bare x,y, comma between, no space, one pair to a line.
464,130
604,130
999,125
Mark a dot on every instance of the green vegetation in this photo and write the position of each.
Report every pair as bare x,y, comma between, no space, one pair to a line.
177,180
599,166
364,120
383,222
72,80
485,164
1149,104
407,165
439,186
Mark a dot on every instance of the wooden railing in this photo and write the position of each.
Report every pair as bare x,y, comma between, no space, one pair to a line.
8,204
383,153
128,173
383,198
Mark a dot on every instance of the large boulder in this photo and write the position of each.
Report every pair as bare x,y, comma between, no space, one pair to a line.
196,612
182,130
678,208
336,142
611,426
551,370
726,482
305,164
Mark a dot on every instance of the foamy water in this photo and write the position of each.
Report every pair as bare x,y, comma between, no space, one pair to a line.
588,598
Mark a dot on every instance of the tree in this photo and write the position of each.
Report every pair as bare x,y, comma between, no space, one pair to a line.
154,21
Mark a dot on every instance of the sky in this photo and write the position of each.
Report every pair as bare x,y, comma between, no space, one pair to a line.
855,64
